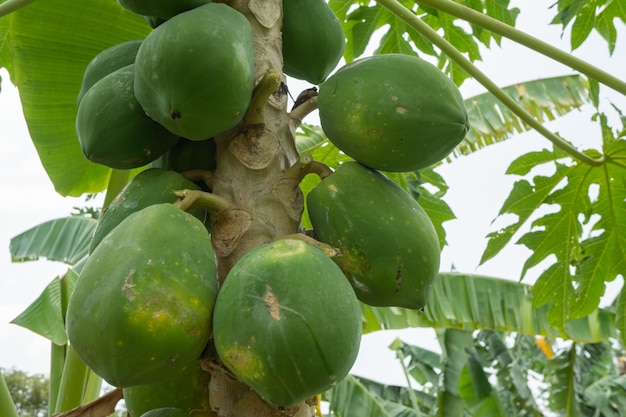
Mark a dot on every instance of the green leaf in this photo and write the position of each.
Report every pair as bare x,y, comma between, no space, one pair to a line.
46,47
474,387
561,377
492,122
351,398
397,394
46,315
585,21
64,240
474,302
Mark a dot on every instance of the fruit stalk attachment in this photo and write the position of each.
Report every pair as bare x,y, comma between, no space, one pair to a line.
210,202
307,165
455,55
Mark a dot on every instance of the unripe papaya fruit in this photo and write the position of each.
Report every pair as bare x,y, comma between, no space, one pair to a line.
187,155
392,112
140,312
389,247
195,71
188,390
106,62
287,322
112,128
163,9
152,186
313,40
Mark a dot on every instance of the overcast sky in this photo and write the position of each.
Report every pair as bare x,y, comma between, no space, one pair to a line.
477,189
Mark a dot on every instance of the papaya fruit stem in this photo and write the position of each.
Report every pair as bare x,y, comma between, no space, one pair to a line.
210,202
303,109
307,165
529,41
255,115
330,251
10,6
203,175
455,55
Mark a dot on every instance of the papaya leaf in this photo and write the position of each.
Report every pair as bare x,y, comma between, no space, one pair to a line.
474,302
65,240
492,122
586,15
46,47
584,23
578,230
46,315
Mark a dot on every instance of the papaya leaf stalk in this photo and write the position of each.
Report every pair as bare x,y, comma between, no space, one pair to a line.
455,55
472,16
10,6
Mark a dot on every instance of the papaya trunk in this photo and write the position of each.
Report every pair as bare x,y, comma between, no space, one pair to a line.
251,163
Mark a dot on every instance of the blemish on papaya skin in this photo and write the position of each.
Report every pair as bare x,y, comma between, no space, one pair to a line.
399,278
271,302
401,110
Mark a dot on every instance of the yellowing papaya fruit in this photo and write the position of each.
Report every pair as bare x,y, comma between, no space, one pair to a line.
195,71
112,128
106,62
389,247
187,390
392,112
152,186
287,322
163,9
141,310
313,40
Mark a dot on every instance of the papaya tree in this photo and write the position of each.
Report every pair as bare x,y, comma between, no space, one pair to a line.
241,253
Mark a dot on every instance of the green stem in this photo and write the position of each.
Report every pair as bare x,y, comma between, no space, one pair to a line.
57,359
330,251
7,406
412,396
255,115
496,26
210,202
10,6
447,48
92,387
73,382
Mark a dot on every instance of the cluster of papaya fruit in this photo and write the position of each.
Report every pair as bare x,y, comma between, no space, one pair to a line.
285,321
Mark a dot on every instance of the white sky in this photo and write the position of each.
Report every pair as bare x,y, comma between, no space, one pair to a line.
477,189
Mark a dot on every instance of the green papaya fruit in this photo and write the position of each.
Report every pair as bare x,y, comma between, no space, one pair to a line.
112,128
163,9
152,186
178,412
287,322
392,112
106,62
389,247
313,40
195,71
187,155
141,310
187,390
